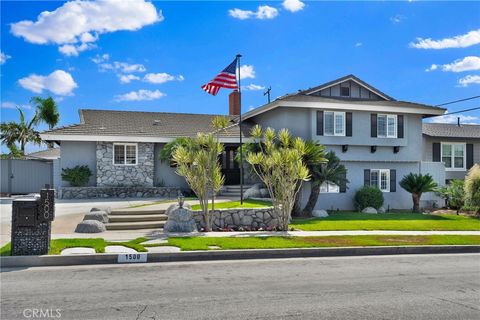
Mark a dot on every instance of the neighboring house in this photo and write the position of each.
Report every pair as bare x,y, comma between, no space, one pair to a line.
457,146
377,138
48,154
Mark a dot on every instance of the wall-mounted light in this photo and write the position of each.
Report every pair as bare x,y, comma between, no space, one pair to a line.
396,149
373,149
345,148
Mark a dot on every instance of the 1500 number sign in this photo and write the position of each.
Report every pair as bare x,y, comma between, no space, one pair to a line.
132,257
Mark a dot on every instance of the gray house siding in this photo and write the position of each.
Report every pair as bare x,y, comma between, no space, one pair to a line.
297,120
165,175
428,153
74,153
356,91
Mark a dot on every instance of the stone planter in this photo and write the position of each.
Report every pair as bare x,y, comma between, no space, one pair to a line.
239,218
119,192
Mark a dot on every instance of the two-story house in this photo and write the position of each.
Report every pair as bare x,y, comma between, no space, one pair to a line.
378,138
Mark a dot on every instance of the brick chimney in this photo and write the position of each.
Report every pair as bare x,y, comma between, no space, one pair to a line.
234,103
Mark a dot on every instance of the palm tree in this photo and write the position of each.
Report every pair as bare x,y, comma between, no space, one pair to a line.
47,111
416,184
313,158
331,171
21,132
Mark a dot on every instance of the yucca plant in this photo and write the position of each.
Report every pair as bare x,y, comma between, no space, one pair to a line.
417,184
280,166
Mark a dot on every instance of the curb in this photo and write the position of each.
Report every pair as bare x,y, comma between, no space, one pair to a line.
106,258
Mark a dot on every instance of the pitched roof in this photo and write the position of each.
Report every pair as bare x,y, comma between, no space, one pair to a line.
52,153
446,130
343,79
144,124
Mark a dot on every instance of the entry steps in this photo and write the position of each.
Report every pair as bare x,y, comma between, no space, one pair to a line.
135,220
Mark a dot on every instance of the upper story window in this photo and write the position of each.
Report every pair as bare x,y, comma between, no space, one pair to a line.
380,178
387,126
125,154
334,123
453,156
345,91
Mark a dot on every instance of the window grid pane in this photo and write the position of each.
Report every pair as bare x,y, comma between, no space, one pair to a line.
374,178
329,123
458,150
447,161
119,154
339,129
447,150
382,125
131,152
392,126
384,181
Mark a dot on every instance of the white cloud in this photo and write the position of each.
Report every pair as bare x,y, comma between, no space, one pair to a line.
140,95
78,23
247,71
468,80
469,63
293,5
396,19
253,87
58,82
74,50
461,41
101,58
12,105
453,119
161,77
262,13
358,44
127,78
4,57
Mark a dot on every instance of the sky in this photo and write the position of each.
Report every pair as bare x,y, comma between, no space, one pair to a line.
155,56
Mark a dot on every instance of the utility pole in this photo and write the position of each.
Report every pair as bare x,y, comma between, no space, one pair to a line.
267,93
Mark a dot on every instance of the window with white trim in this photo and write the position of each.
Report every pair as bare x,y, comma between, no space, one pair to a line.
329,187
334,123
125,154
387,126
380,178
453,156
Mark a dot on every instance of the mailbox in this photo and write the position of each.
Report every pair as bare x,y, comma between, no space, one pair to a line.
31,223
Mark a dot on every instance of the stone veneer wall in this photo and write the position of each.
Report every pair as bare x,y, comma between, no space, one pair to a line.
110,175
119,192
235,218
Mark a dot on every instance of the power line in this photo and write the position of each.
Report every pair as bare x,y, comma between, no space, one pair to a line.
460,111
455,101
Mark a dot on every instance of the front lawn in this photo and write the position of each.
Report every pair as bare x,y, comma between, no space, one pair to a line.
389,221
247,203
224,243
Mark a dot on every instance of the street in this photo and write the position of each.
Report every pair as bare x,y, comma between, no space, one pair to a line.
376,287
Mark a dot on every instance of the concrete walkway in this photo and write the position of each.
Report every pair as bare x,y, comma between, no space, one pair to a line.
156,234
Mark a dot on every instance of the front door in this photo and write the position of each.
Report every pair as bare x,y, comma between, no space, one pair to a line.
230,168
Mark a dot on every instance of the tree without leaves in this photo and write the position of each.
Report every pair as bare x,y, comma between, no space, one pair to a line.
417,184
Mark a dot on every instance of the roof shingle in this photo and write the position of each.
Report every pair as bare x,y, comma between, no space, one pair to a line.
445,130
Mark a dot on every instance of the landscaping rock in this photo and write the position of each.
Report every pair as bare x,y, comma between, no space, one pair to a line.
319,213
381,210
252,192
163,249
108,210
101,216
370,210
155,241
180,219
90,226
264,193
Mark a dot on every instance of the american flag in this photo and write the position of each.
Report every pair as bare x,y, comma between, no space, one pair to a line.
225,79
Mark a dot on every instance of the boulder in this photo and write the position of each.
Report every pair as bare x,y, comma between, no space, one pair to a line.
101,216
252,192
381,210
90,226
264,193
319,213
108,210
370,210
180,219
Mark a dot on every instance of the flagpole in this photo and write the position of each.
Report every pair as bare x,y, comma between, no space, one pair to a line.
240,129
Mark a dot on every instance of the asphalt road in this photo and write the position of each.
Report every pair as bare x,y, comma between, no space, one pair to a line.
382,287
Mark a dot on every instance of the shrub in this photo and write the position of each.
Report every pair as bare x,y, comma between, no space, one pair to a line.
368,196
77,176
472,187
417,184
453,193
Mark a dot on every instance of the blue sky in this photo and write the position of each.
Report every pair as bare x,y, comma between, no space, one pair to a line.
85,56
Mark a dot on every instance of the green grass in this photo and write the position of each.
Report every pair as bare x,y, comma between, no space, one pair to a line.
390,221
203,243
99,244
248,203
